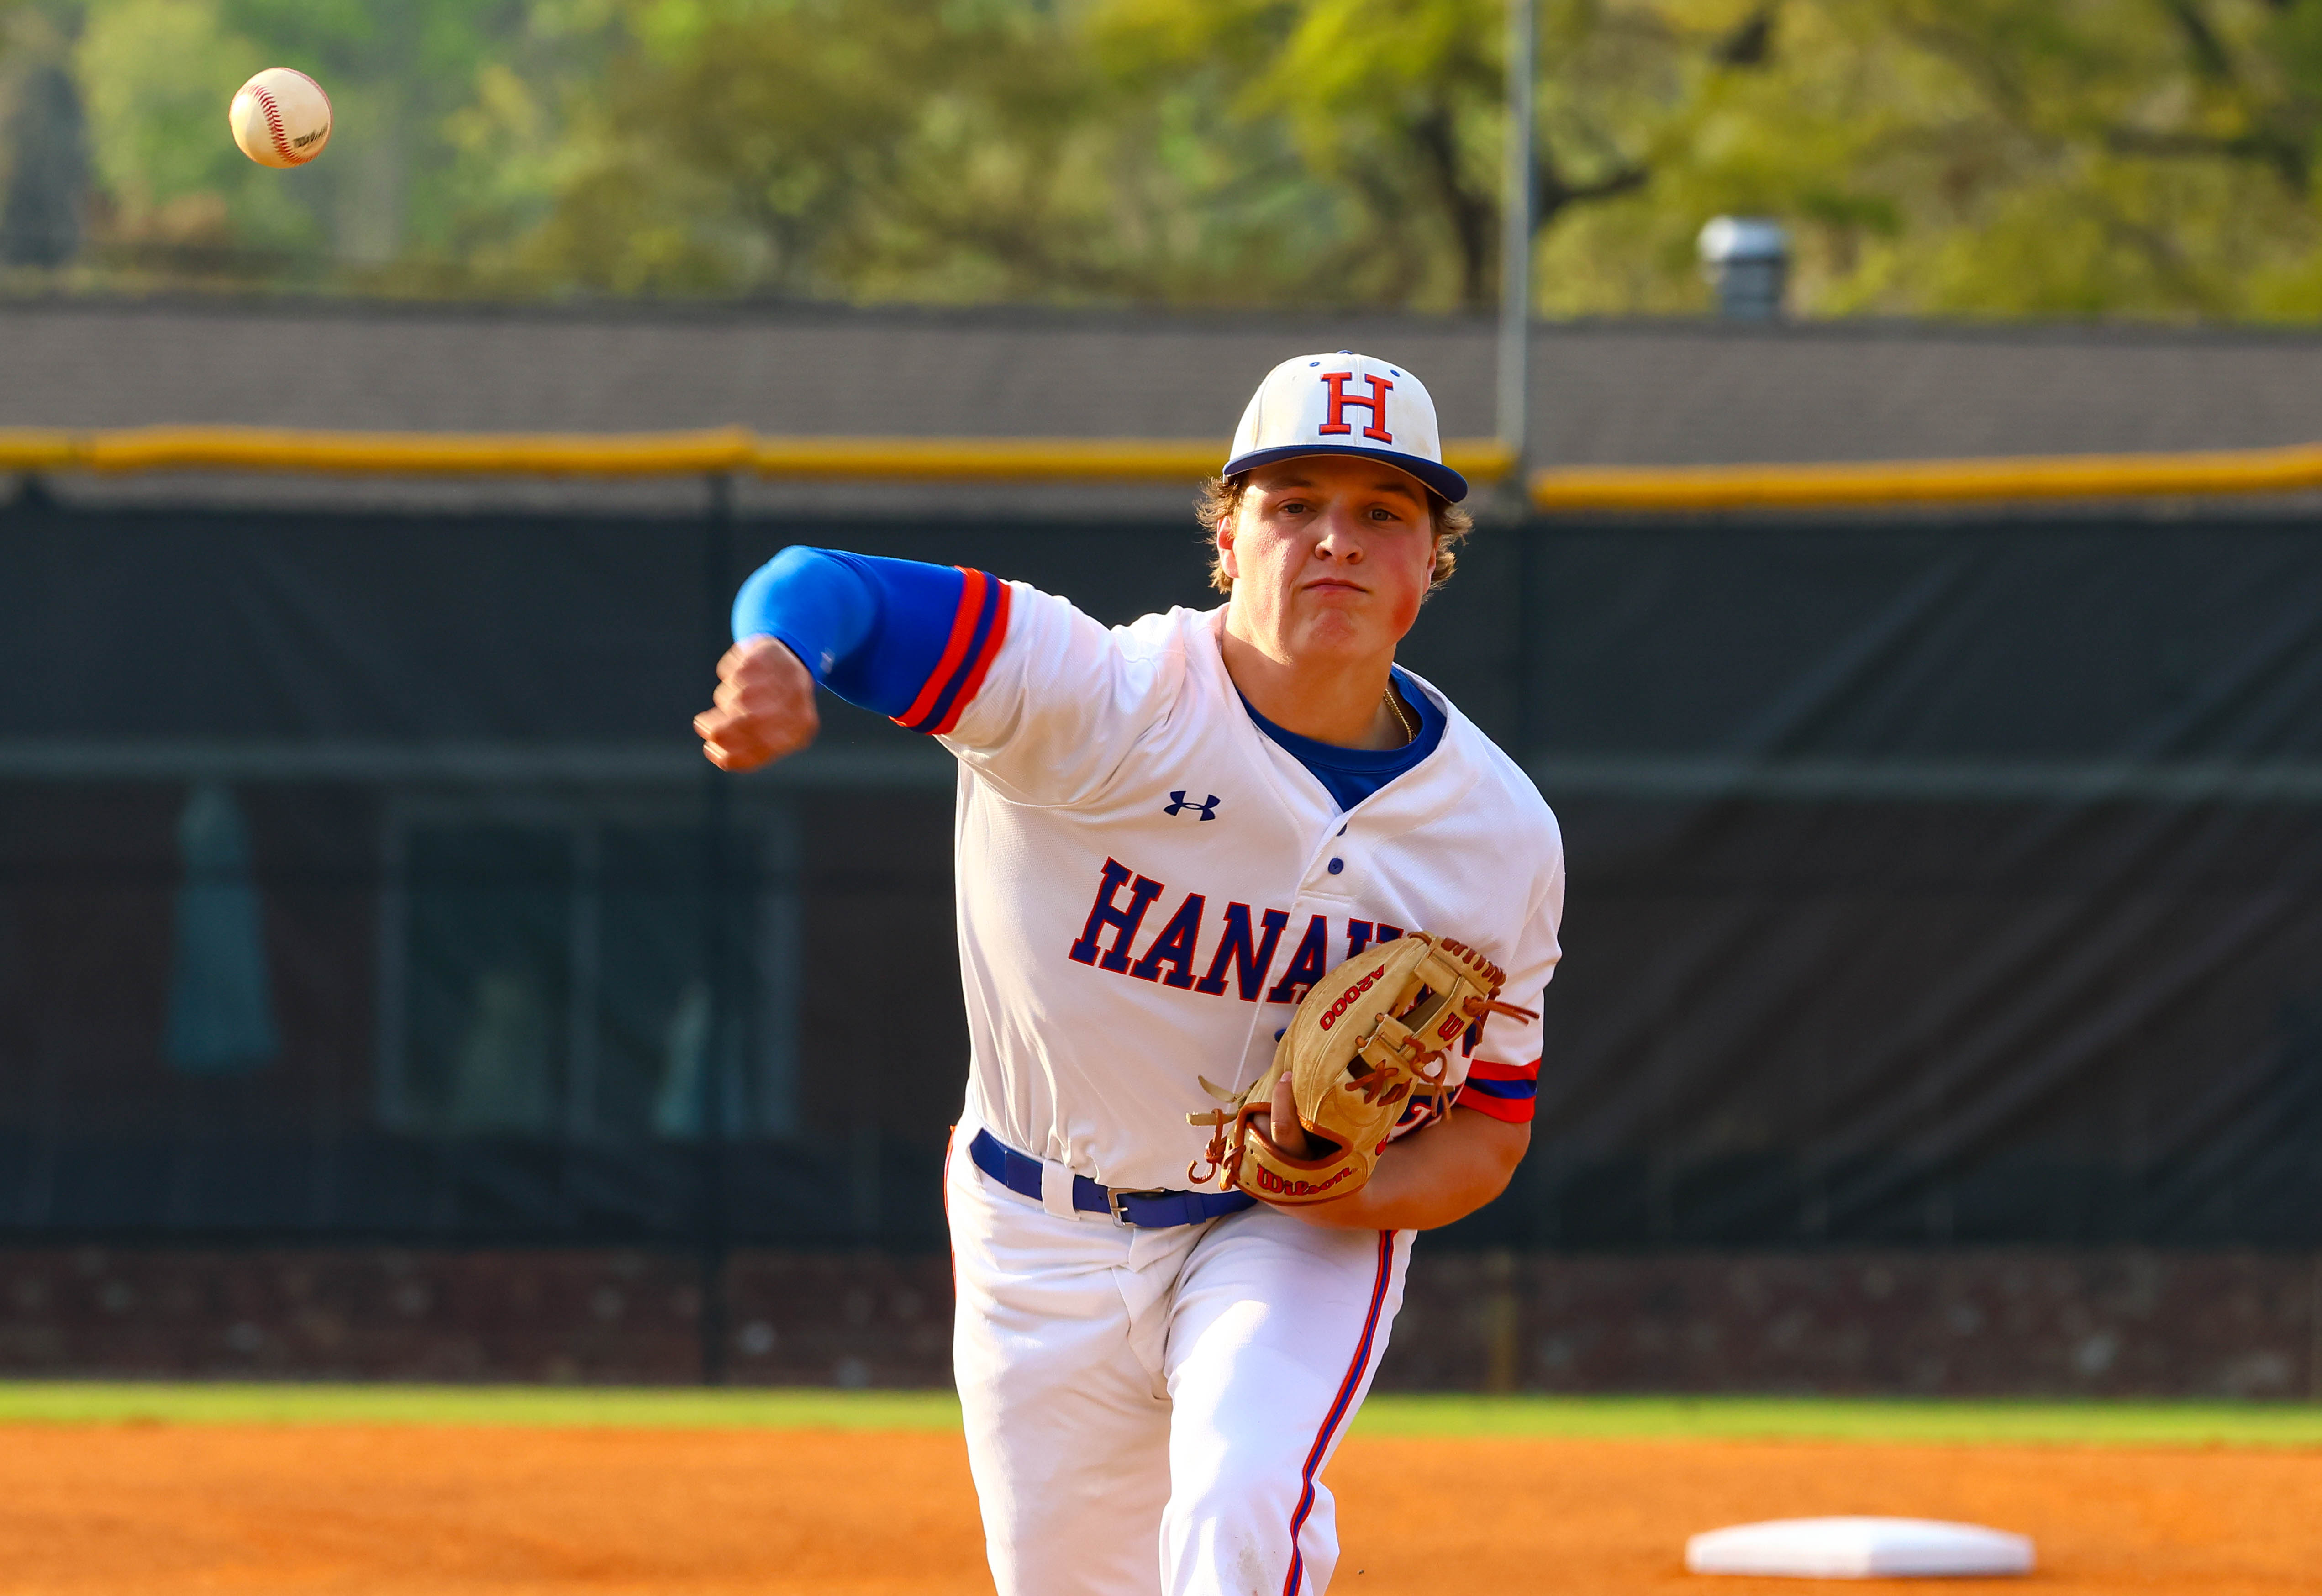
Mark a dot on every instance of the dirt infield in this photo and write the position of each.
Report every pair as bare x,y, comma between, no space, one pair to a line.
163,1509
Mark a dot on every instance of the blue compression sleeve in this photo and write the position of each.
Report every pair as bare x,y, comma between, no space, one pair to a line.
871,630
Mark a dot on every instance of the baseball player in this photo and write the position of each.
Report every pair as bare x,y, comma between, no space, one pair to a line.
1166,832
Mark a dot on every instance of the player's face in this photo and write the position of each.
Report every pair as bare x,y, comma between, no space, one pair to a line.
1329,553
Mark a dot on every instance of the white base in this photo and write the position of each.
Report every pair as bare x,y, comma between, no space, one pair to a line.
1858,1549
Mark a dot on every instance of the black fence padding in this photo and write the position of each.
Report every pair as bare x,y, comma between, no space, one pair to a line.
1930,883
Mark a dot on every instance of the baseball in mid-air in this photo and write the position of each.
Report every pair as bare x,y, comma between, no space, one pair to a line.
280,117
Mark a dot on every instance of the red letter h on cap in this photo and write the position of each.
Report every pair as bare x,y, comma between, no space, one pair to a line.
1340,398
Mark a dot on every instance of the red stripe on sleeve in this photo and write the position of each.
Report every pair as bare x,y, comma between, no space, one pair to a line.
1512,1110
990,652
962,632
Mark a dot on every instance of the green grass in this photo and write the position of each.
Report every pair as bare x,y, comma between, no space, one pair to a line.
1834,1418
624,1407
1660,1418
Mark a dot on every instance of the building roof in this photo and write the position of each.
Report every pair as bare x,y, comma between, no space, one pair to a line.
1603,393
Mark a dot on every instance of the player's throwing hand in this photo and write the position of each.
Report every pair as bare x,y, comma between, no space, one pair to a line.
764,707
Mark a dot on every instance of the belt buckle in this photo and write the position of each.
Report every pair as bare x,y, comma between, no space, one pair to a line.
1115,1196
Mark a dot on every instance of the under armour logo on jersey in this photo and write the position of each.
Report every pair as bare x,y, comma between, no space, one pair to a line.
1178,806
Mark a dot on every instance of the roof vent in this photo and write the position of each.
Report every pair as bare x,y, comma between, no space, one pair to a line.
1748,260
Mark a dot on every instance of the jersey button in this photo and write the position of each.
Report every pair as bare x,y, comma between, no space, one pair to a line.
1336,865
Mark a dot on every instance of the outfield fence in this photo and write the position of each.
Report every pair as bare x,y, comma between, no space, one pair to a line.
1935,881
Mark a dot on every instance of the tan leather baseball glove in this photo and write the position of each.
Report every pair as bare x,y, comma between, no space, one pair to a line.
1366,1039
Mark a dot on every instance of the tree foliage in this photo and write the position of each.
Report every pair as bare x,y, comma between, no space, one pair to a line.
1998,157
840,146
405,197
1987,157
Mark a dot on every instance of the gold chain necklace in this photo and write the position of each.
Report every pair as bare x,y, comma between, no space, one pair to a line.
1402,715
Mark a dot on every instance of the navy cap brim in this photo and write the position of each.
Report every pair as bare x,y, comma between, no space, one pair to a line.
1442,478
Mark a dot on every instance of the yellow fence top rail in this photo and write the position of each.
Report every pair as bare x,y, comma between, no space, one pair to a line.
645,454
1559,490
1682,489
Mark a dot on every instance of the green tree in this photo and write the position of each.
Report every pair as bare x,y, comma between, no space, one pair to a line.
874,148
1184,151
1393,108
1995,157
429,100
1976,157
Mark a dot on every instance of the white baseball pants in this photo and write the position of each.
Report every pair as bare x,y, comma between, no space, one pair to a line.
1149,1411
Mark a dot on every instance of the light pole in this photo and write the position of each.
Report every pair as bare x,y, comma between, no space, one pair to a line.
1514,419
1516,243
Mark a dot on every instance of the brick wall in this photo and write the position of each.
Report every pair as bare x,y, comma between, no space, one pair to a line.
382,1314
2224,1324
1936,1323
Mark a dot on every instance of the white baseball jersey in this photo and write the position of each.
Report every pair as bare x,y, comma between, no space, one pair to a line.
1146,881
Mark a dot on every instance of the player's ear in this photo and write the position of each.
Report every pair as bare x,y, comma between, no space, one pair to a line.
1226,562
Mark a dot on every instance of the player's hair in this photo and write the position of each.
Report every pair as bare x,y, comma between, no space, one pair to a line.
1221,496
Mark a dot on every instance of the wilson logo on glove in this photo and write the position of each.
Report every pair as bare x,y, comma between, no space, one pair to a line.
1282,1190
1354,1062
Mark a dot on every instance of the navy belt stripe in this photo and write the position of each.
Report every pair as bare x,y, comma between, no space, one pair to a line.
1150,1210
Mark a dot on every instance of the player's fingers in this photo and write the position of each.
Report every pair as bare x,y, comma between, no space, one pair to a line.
736,742
769,702
728,726
753,694
735,761
1282,1125
737,748
780,728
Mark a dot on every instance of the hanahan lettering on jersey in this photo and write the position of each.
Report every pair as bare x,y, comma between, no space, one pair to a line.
1241,944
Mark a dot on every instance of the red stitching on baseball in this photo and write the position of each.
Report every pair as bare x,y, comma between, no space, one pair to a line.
274,122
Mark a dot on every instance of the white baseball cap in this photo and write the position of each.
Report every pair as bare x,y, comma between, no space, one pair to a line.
1345,404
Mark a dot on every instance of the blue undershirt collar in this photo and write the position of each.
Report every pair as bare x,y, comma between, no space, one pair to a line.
1350,775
